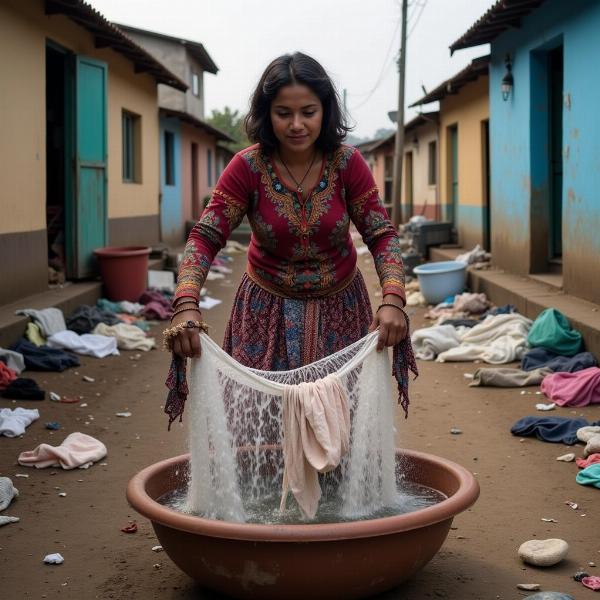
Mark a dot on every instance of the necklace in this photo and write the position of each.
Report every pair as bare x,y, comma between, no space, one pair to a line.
299,187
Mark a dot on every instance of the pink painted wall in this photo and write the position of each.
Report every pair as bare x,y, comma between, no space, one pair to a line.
205,141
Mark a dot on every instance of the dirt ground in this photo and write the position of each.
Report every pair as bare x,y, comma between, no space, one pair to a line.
521,483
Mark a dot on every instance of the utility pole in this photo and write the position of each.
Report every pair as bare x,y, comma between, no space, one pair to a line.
399,146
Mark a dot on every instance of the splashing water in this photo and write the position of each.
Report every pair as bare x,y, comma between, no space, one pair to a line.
235,437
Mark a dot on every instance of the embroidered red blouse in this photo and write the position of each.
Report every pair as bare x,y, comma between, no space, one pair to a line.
299,249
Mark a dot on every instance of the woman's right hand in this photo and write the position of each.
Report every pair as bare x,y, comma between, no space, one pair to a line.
187,342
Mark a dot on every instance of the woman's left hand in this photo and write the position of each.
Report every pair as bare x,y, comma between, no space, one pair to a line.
392,323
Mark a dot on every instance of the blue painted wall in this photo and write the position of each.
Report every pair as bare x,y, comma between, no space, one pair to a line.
519,170
172,229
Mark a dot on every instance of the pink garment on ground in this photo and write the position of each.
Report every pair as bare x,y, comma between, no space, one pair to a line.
573,389
316,434
592,582
77,450
592,459
471,303
7,375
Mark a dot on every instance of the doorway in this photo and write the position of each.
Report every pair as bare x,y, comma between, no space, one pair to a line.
452,204
485,163
409,187
196,209
555,95
56,66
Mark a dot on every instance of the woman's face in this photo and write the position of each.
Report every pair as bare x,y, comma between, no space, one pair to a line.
296,116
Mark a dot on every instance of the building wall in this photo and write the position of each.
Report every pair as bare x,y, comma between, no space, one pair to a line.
189,135
194,104
467,110
24,29
520,214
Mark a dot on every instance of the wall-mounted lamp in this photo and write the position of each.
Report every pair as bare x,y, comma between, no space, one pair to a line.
507,81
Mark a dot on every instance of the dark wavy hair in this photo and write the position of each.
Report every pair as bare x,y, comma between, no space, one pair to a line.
291,69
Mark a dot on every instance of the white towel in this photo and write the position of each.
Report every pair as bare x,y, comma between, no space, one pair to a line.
14,421
430,341
87,344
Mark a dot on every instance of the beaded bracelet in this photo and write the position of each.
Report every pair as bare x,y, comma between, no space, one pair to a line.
171,332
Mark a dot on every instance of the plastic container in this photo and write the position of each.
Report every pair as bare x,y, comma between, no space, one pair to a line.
438,280
124,271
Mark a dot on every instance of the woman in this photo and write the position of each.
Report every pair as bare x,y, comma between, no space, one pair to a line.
302,297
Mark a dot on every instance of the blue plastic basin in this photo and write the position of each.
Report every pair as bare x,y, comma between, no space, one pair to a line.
438,280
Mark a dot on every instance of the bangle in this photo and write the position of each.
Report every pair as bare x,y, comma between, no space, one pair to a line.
194,308
171,332
389,304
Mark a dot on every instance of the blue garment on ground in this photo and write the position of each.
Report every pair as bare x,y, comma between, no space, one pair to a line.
43,358
560,430
505,309
461,322
589,476
540,357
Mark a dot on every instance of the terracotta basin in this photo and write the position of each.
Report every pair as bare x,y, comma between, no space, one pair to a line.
335,560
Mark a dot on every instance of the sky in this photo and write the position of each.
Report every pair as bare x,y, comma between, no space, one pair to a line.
356,41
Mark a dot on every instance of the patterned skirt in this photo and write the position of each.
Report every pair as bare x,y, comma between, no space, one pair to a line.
272,333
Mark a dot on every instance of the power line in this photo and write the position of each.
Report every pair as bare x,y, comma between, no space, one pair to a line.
422,7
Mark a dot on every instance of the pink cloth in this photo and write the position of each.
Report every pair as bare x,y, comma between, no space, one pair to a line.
77,450
592,459
592,582
573,389
316,434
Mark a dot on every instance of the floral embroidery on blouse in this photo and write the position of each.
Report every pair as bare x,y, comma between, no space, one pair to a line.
299,248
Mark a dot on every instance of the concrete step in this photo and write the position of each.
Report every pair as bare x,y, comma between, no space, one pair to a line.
532,295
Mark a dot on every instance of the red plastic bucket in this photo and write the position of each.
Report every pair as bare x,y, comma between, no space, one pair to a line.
124,271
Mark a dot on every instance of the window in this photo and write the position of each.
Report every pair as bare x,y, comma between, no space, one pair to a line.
169,158
131,147
195,84
209,167
389,166
432,170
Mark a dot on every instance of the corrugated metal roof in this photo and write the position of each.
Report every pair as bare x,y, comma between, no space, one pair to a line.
478,67
200,123
196,49
505,14
106,34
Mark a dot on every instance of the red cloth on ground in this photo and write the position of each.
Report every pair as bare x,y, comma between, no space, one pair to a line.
6,375
573,389
592,459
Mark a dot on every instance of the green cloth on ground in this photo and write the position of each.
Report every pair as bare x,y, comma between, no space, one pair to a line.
551,330
589,476
34,335
104,304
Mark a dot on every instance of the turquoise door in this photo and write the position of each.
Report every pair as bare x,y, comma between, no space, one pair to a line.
171,214
86,181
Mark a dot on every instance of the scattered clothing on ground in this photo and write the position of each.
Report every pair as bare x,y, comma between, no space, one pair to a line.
429,342
461,322
473,304
496,340
127,337
7,492
43,358
507,377
573,389
13,422
415,298
156,305
77,450
589,476
505,309
550,429
592,459
13,360
5,520
476,255
7,375
540,357
23,388
34,334
87,344
551,330
84,318
49,320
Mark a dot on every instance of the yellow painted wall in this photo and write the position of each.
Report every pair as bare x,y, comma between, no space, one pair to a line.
24,29
467,109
